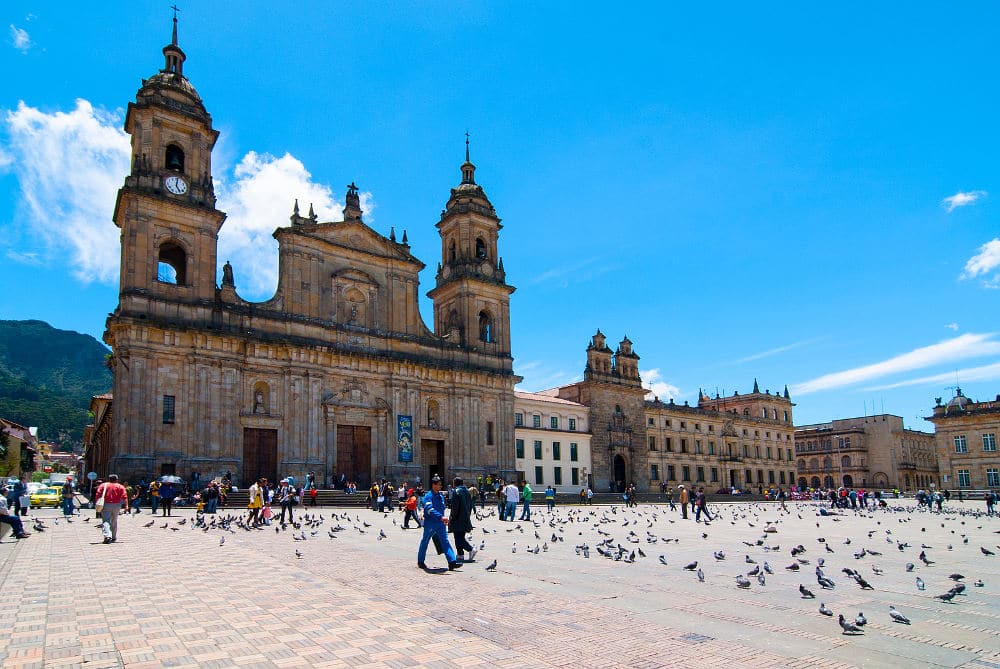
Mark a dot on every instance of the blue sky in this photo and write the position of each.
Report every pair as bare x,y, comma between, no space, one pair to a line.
799,194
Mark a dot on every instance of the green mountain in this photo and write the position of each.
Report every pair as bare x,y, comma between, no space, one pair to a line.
47,377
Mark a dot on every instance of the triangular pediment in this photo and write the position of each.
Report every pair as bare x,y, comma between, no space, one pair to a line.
355,236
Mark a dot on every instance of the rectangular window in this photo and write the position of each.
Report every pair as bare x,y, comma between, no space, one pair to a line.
960,445
556,450
715,474
557,475
760,476
652,443
518,419
650,422
700,471
667,422
781,477
770,476
489,433
654,473
697,426
574,476
746,451
786,416
768,452
519,448
668,444
989,442
684,425
697,446
574,452
749,477
756,452
711,447
788,454
684,445
536,421
554,422
538,450
963,479
711,428
168,408
686,470
572,424
671,473
993,477
539,477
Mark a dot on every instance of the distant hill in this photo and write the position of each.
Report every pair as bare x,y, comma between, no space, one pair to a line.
47,377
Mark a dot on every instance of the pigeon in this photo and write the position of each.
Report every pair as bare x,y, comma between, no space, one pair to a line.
897,616
793,567
719,555
986,551
492,566
298,554
760,579
825,611
767,568
701,576
222,540
861,621
750,560
754,571
959,588
920,583
825,583
742,581
692,566
663,560
909,566
946,597
923,558
806,593
848,626
382,535
150,523
979,583
956,577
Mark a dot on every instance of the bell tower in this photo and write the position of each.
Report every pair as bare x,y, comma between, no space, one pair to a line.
166,208
472,297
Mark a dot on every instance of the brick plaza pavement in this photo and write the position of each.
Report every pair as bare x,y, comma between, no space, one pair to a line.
175,597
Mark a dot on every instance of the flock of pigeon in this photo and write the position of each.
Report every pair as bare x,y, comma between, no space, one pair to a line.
882,543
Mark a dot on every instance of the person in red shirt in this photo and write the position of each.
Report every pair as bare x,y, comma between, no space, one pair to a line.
115,500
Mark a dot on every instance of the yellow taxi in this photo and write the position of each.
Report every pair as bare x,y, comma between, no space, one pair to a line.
46,497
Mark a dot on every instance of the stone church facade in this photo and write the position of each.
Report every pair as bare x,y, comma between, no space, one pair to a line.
337,372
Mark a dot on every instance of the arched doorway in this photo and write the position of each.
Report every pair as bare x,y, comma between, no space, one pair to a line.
848,481
814,482
803,484
619,481
827,481
880,480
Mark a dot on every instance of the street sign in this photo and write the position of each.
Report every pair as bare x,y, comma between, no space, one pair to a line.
91,475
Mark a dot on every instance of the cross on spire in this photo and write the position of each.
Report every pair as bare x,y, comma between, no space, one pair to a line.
176,9
467,146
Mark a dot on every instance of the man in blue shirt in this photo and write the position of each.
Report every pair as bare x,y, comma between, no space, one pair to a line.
435,527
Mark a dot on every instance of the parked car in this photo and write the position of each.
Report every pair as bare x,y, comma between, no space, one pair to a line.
46,497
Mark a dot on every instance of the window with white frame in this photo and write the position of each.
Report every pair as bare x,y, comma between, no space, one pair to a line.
993,477
536,421
572,424
960,445
989,442
964,481
518,419
554,422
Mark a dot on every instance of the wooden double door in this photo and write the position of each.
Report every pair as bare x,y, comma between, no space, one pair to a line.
354,454
260,455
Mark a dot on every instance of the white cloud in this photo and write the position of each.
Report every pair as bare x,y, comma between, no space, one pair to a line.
963,346
583,270
538,375
774,351
657,386
967,375
20,39
984,262
69,167
961,199
952,326
259,199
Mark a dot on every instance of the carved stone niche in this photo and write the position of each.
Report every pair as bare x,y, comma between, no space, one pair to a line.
355,298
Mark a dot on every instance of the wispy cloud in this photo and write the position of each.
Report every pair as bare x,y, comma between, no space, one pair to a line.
775,351
20,39
984,262
69,166
538,375
657,386
961,347
572,273
967,375
952,326
960,199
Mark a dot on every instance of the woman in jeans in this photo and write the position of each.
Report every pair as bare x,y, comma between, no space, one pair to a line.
286,495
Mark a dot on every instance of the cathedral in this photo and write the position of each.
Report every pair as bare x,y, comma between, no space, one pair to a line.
336,374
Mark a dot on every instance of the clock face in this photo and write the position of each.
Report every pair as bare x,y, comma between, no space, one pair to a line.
175,185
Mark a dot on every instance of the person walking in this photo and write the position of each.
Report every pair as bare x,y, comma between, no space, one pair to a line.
590,495
511,496
115,499
410,510
683,494
67,497
256,502
286,496
526,495
701,506
19,498
154,496
168,493
435,527
460,521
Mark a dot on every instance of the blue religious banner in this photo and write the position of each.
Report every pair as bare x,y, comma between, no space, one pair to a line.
404,437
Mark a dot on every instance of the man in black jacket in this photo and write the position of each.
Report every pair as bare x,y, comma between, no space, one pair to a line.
460,521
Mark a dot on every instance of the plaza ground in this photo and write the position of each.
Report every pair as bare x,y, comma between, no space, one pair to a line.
174,597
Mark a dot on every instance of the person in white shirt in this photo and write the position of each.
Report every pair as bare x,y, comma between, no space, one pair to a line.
513,495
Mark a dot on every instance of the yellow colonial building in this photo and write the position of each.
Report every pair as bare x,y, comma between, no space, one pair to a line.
337,372
966,439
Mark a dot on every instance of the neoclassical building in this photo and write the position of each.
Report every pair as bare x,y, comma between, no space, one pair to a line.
865,452
551,442
966,441
743,441
337,372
